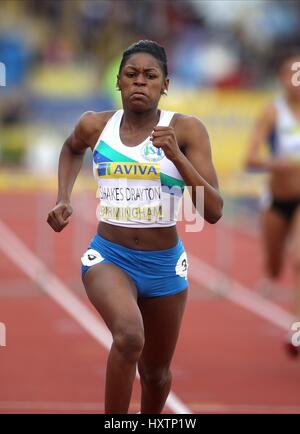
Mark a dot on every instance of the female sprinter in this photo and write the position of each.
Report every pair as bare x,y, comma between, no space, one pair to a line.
279,125
135,268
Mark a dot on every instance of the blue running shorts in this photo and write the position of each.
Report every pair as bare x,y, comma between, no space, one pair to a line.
156,273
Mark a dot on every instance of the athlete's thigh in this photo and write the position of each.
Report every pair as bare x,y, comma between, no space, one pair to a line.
162,319
114,295
275,229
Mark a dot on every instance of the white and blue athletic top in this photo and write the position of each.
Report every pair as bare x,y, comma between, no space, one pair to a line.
138,186
285,138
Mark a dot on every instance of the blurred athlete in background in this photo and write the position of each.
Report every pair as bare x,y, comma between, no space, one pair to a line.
279,127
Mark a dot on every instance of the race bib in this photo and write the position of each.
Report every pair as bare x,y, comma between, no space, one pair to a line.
182,266
91,257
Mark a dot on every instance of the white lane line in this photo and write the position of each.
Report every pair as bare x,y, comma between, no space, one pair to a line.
215,280
14,248
245,408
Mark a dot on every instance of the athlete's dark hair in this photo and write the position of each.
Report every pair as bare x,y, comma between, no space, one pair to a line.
150,47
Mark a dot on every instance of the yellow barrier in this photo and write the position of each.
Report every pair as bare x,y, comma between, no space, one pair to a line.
228,116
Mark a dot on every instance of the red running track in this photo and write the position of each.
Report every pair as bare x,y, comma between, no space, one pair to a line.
228,359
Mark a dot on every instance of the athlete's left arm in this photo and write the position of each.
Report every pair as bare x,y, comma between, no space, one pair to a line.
195,164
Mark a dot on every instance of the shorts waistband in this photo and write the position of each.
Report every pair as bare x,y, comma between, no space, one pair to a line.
98,239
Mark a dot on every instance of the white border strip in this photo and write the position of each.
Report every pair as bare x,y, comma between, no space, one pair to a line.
13,247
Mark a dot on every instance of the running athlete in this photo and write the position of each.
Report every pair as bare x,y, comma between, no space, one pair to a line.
279,125
135,268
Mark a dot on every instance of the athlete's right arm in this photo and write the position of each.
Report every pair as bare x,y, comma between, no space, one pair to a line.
259,137
70,162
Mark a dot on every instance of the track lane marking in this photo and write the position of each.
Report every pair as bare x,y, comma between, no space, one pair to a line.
14,248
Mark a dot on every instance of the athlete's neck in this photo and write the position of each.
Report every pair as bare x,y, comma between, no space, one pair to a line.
133,121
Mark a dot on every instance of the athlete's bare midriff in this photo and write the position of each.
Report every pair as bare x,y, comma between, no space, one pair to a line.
286,186
139,238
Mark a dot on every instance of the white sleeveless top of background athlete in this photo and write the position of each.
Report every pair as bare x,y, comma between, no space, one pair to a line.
138,186
285,140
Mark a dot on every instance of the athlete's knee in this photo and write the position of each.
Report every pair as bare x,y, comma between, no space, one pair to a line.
156,378
129,343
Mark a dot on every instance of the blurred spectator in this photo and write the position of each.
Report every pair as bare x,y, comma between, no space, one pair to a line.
13,111
58,50
209,43
92,17
50,9
14,54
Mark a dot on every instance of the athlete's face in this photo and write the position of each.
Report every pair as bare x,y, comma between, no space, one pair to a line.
142,82
290,77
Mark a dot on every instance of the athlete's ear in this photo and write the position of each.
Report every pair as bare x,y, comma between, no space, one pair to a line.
166,86
117,84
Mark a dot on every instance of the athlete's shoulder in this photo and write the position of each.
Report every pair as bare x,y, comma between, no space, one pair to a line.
188,125
90,125
91,122
185,120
